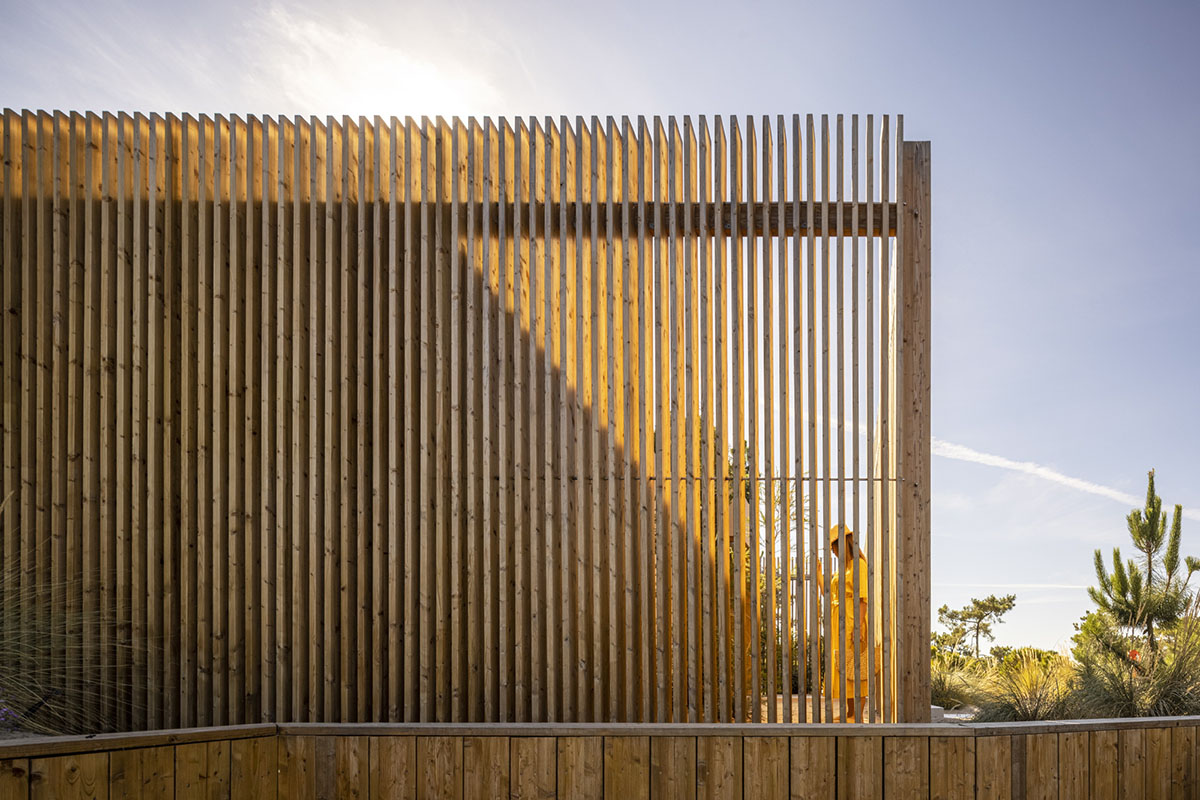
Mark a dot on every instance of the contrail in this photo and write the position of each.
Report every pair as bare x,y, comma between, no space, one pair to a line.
961,453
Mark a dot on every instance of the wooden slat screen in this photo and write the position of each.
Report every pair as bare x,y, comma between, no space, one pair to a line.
469,420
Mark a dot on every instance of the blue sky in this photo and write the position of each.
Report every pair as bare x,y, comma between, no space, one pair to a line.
1066,166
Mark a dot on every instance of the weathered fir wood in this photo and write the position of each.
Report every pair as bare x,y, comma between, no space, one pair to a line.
445,420
993,768
393,767
1073,763
144,772
1042,767
1104,764
69,777
672,769
860,767
719,767
813,768
911,769
1185,781
581,767
533,768
630,764
913,347
611,759
485,767
952,773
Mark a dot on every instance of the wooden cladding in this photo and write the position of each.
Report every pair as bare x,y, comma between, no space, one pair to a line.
1154,759
483,420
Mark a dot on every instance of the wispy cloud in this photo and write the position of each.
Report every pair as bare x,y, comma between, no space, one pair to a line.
960,452
977,585
322,63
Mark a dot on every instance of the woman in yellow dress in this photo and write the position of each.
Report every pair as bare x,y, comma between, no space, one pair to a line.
842,602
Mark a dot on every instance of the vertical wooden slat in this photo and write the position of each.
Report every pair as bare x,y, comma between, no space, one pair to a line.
488,379
693,529
518,328
456,423
476,246
439,191
915,244
582,397
554,384
302,272
820,711
594,401
768,483
334,390
627,382
740,601
673,425
52,330
254,435
367,552
784,482
414,660
502,391
886,532
873,598
235,441
709,492
645,434
612,422
754,438
727,639
92,545
10,336
535,358
567,420
283,367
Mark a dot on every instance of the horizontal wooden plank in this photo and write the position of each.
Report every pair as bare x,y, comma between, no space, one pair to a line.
62,745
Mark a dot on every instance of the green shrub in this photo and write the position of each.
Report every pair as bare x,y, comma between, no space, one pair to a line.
1027,688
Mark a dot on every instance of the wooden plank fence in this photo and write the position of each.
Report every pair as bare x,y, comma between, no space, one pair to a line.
470,420
1154,759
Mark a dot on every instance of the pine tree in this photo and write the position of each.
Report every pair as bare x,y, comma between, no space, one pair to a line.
976,620
1152,597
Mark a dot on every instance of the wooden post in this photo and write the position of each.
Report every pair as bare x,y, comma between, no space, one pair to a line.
914,433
